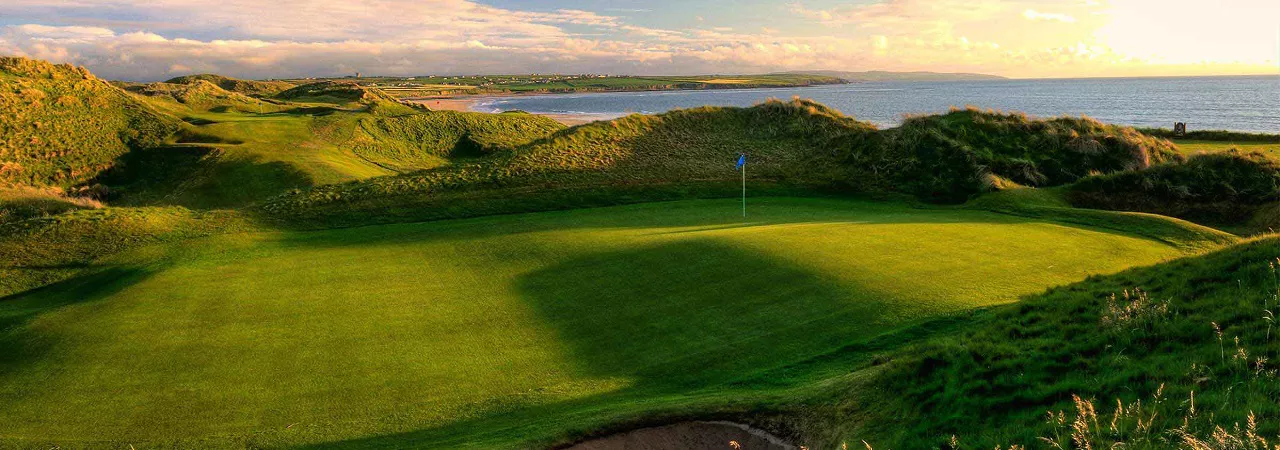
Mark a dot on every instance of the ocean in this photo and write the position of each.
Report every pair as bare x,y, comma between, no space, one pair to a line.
1247,103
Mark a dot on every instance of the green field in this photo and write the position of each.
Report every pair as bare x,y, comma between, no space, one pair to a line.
451,326
1191,147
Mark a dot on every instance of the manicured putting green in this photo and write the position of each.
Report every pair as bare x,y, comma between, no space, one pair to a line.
289,338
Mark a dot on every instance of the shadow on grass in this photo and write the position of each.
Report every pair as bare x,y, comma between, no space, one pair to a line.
18,345
689,322
690,312
198,177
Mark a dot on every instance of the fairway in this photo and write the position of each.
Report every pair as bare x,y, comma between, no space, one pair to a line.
451,329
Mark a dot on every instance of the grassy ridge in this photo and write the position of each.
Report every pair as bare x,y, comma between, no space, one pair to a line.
1221,188
955,155
200,96
797,144
63,127
245,87
423,141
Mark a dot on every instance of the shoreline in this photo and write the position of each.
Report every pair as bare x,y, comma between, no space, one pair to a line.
468,104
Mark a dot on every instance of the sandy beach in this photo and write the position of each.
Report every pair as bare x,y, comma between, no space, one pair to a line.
468,104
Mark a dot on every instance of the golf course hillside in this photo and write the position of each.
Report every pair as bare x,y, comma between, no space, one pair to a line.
505,331
201,95
245,87
62,126
411,142
218,263
335,92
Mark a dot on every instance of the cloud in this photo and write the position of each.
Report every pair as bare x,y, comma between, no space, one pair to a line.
289,38
894,12
1034,15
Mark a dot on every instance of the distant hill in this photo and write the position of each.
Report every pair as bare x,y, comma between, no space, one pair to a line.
877,75
245,87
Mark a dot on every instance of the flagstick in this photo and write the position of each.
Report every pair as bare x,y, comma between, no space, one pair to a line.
744,191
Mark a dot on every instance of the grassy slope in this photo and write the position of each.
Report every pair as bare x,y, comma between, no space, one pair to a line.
180,99
42,250
497,331
62,127
1178,355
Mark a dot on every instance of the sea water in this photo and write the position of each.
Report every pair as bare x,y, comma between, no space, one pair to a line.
1245,103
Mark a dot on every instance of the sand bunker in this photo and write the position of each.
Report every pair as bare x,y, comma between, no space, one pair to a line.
690,436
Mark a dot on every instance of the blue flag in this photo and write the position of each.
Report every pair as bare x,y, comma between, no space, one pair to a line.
742,161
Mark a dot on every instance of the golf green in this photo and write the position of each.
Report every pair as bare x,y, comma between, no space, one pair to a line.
295,338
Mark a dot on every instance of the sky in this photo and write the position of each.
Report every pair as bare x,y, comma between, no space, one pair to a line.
159,39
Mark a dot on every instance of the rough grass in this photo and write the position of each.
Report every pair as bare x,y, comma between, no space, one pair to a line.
423,141
499,332
952,156
21,203
62,127
1220,188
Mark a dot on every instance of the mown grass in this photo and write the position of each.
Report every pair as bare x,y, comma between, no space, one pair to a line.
453,332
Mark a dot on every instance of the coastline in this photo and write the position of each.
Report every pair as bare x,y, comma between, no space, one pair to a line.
469,103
